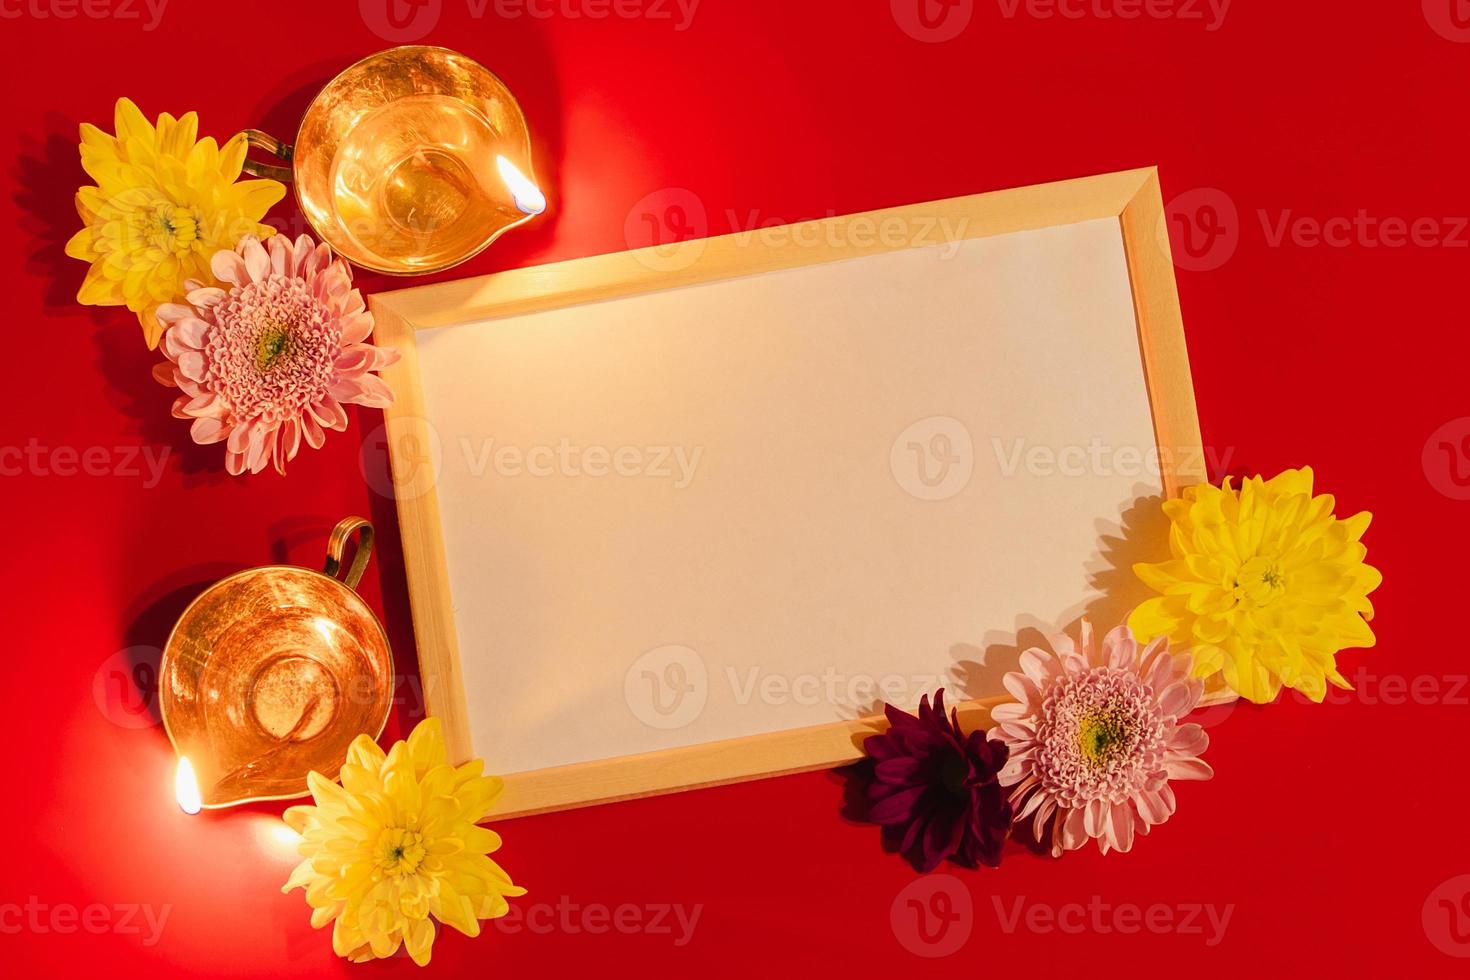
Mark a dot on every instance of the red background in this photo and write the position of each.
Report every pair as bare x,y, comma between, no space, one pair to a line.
1326,827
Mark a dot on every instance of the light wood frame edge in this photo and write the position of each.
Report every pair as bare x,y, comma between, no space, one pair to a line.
1133,197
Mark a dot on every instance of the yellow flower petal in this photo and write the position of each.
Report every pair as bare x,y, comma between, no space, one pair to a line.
157,190
420,940
1265,584
393,848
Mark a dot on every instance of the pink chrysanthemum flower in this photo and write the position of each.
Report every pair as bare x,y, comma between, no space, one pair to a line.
271,361
1095,738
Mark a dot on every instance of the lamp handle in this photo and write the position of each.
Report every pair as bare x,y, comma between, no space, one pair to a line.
273,146
337,543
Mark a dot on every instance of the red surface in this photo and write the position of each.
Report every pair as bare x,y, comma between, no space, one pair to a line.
1326,828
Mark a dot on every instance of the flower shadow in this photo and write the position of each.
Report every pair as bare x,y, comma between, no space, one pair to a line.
1139,533
48,171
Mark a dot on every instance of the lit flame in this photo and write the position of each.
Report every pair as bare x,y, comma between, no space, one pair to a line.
186,787
528,196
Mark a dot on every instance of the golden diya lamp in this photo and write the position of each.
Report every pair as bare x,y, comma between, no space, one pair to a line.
410,161
270,674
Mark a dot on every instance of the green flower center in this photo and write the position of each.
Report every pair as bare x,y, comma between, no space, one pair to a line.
1101,737
400,851
271,344
1259,582
175,229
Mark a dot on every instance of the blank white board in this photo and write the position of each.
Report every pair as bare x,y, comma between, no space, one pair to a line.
764,503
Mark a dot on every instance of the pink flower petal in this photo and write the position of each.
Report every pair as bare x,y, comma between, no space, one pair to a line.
312,432
257,262
1085,645
1072,832
187,334
168,313
1043,814
1189,739
1123,826
1032,805
1153,807
1178,699
209,405
290,439
239,439
191,365
1189,769
300,254
207,431
1021,687
260,439
229,267
1092,818
1010,711
370,391
330,413
357,328
1038,665
206,296
280,254
1119,648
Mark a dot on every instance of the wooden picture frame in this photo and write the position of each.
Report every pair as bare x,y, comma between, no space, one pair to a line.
1132,198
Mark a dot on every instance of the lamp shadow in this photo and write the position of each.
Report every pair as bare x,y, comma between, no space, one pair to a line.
148,622
411,690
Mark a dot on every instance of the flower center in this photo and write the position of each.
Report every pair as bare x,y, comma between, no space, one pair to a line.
400,851
176,228
272,356
953,773
1101,737
1259,582
270,345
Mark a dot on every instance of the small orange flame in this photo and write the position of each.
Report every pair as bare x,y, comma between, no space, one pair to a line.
186,787
528,196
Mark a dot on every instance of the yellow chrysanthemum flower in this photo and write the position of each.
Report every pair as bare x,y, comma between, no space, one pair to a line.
395,844
162,206
1266,585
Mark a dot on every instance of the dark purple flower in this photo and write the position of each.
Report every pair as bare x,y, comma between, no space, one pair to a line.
935,791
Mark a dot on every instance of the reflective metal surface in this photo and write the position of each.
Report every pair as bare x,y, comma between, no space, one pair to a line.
272,673
397,162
